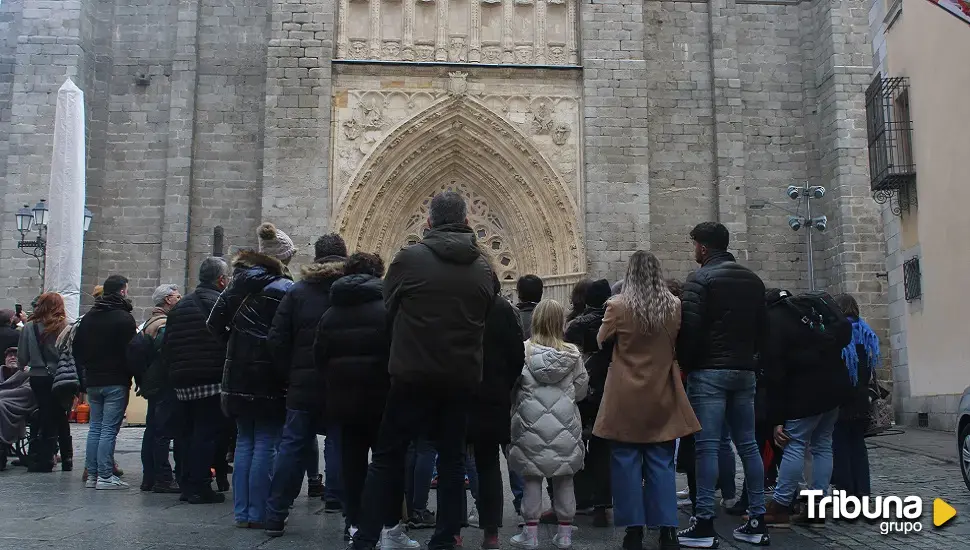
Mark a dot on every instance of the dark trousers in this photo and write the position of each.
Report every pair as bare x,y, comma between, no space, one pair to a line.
592,483
850,458
299,433
225,442
488,498
419,469
163,422
203,421
356,443
413,412
53,426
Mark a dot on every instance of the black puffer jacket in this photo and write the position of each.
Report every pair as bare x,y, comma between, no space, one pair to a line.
803,369
251,383
101,342
490,416
582,332
295,327
723,316
195,356
438,294
351,351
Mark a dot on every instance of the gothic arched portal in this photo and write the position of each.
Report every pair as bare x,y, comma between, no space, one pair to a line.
518,204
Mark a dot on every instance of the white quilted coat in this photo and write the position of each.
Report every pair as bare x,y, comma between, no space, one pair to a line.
547,433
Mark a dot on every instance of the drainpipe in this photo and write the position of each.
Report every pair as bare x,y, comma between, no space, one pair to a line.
714,141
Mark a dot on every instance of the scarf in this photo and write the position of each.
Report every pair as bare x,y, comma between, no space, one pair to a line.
862,335
108,302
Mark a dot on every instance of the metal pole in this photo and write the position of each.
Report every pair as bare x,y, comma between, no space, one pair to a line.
808,228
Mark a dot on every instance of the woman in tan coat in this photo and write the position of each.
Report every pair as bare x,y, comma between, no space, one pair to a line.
644,408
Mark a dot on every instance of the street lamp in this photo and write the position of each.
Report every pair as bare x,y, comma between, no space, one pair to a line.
37,218
805,193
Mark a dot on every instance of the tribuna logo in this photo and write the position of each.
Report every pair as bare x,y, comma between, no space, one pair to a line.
898,515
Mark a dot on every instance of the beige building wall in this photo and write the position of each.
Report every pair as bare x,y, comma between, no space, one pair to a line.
928,46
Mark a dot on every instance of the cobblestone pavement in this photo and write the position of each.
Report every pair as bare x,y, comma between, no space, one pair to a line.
55,511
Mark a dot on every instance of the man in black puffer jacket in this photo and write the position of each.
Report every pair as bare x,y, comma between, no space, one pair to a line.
438,294
291,341
195,358
351,351
722,328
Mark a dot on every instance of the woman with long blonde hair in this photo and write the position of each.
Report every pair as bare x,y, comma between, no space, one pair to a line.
37,349
644,407
547,433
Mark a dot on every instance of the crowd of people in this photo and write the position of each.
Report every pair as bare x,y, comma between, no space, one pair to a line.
425,366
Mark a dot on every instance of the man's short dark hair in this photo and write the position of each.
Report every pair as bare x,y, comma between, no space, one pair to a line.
330,244
115,284
529,288
364,263
713,235
447,207
211,269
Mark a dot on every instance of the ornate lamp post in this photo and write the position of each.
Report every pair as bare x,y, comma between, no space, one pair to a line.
37,218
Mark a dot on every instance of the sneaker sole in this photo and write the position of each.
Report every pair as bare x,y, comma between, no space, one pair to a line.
705,542
779,525
757,540
111,488
524,545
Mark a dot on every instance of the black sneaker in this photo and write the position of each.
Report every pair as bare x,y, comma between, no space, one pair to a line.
332,507
421,519
633,539
207,496
739,508
274,527
754,531
700,534
669,539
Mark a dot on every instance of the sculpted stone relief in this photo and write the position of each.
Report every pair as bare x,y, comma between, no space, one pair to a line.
400,147
519,32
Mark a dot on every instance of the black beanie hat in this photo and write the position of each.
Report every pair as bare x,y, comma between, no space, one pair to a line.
598,293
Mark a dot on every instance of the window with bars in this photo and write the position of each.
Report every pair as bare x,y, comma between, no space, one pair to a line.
889,128
912,287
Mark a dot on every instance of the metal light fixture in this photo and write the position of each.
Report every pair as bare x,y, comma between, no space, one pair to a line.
38,218
797,221
40,213
88,216
25,220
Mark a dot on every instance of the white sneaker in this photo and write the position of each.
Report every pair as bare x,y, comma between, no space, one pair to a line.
352,531
473,519
396,539
728,502
564,538
528,538
91,483
683,503
113,483
685,493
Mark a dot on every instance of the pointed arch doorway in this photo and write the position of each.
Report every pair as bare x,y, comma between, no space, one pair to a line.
519,206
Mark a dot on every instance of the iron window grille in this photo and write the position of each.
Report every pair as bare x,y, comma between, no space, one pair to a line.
889,126
912,288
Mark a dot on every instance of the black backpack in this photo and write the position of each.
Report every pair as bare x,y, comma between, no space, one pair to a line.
141,353
818,311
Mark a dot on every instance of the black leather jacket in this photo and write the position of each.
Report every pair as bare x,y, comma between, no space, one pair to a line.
724,317
252,384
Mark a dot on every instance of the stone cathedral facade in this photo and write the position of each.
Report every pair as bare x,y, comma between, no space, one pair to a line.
579,131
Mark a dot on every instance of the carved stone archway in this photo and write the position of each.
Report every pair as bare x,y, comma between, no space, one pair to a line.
518,203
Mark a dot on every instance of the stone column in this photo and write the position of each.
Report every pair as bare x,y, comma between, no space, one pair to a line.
181,138
441,38
475,32
342,41
540,32
375,29
571,50
407,46
508,42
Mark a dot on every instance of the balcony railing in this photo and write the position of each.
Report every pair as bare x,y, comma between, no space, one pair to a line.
889,125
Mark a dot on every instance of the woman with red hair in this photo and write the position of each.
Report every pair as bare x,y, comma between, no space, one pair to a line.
38,351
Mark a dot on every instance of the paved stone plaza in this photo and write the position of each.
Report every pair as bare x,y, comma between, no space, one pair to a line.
55,511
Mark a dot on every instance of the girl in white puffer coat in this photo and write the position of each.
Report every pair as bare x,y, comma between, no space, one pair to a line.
547,432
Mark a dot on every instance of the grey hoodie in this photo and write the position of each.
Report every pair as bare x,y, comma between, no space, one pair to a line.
547,432
41,358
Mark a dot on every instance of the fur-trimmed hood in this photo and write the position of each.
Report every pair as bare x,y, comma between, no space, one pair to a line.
323,270
248,258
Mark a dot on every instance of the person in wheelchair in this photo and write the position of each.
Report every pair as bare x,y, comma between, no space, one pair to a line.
17,403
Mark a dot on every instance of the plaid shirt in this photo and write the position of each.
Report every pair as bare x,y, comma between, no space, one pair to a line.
198,392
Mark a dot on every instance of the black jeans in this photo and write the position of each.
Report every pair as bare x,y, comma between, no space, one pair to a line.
592,483
850,458
162,427
53,425
412,411
203,421
490,487
357,441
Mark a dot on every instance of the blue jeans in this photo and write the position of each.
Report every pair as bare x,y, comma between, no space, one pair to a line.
814,432
722,397
726,466
418,473
331,464
107,410
299,434
257,440
516,485
644,485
